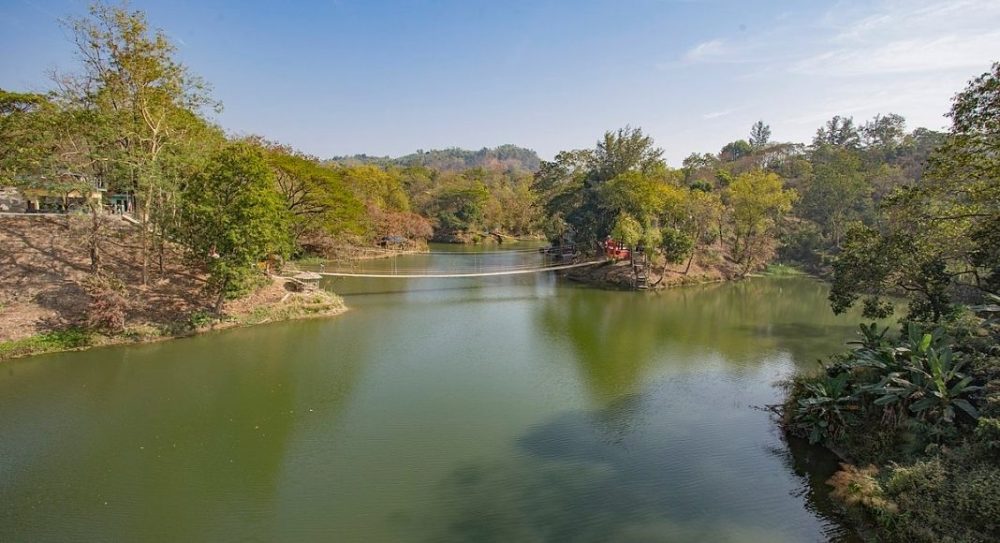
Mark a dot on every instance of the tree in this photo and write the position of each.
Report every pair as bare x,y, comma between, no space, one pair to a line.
836,193
627,230
23,130
376,186
760,135
560,185
460,209
699,168
941,234
233,218
872,265
573,187
316,197
757,203
131,78
626,149
884,133
735,150
700,212
838,131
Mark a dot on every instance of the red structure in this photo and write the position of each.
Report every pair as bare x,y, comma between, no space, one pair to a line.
615,250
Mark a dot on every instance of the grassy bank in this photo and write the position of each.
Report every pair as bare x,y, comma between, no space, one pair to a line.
47,342
782,270
917,421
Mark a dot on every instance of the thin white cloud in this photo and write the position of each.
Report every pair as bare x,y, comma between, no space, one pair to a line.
717,114
894,19
903,36
708,51
932,54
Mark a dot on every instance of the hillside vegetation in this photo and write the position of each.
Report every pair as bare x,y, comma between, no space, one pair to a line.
504,157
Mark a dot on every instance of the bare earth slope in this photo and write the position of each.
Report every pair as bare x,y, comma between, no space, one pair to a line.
43,260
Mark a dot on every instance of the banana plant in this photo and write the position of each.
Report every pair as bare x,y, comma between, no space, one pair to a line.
943,385
827,408
931,384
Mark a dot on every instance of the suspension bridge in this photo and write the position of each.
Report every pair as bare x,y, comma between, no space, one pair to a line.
476,271
421,274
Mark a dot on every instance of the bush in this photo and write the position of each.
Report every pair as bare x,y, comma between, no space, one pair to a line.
987,436
108,303
945,499
922,406
858,486
199,319
676,245
916,382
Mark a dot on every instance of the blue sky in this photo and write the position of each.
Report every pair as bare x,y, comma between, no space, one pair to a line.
353,76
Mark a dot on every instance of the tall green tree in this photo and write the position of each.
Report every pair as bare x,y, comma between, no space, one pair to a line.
760,135
573,187
316,197
757,203
132,78
234,218
25,126
836,193
838,131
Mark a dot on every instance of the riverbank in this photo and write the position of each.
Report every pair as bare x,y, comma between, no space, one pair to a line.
706,267
916,422
45,301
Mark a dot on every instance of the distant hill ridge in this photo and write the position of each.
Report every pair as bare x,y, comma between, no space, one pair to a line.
504,157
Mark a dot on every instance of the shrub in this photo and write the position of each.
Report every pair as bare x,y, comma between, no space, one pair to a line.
858,486
676,245
987,436
108,303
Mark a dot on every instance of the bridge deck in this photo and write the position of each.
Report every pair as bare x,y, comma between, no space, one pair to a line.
463,274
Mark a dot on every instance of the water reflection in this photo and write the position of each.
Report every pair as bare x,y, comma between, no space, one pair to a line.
617,340
619,474
131,444
512,409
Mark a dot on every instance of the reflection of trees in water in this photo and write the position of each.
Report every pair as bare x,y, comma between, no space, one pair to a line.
588,477
185,440
612,342
616,336
813,466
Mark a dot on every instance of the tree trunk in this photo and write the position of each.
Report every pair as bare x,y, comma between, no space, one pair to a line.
159,231
145,253
95,240
222,297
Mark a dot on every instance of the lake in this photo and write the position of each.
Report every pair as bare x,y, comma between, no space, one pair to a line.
517,408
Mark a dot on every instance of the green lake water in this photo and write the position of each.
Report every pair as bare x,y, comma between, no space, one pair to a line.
519,408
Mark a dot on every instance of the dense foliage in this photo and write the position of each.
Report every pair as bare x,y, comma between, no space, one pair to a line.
923,409
232,218
938,238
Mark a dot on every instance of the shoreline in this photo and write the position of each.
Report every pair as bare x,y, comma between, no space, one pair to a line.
313,304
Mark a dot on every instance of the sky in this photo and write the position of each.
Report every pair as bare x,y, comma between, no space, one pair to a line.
340,77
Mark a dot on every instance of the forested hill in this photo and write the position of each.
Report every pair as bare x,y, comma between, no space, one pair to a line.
504,157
